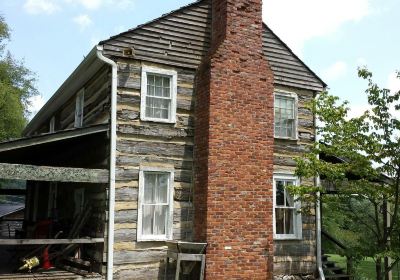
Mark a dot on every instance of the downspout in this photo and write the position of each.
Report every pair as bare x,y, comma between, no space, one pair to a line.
318,215
113,142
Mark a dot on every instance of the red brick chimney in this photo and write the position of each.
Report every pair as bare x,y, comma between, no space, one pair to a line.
234,146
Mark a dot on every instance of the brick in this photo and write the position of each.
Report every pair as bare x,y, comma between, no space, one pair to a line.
234,146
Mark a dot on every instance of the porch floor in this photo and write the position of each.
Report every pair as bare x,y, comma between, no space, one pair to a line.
53,274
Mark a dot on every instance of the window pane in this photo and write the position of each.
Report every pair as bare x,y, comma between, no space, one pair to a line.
160,219
162,188
159,91
280,193
289,199
157,108
149,187
150,90
279,218
166,92
147,219
158,81
289,219
166,82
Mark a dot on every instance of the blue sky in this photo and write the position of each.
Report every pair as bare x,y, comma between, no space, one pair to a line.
332,37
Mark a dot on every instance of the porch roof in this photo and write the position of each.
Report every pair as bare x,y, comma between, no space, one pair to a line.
75,155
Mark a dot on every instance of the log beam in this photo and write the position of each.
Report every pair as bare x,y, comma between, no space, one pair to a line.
52,174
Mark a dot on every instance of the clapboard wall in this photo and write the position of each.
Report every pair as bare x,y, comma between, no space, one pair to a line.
142,143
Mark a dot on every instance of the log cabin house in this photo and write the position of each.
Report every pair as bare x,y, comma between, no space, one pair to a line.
183,128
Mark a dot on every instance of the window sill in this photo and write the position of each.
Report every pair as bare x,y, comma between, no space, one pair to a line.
286,138
153,239
173,121
288,238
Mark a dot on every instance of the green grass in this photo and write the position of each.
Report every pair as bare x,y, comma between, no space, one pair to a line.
366,268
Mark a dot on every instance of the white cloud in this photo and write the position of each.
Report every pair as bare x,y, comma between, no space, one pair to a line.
95,4
122,4
88,4
83,21
335,71
296,22
41,6
36,103
393,82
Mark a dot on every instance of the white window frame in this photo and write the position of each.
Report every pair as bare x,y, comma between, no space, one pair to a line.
293,95
169,226
174,82
79,106
297,222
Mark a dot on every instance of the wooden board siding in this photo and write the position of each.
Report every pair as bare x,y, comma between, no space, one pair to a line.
155,144
96,104
288,69
296,256
182,38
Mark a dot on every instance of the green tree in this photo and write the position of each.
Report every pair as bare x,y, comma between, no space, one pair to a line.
17,86
360,157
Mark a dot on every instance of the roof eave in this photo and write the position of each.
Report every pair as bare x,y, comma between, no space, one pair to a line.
71,85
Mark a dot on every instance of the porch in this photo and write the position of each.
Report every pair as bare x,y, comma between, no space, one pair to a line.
63,180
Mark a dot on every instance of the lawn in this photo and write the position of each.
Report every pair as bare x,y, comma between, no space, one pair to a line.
366,269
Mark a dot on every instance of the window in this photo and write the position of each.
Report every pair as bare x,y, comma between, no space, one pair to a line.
285,116
158,100
287,219
155,207
79,103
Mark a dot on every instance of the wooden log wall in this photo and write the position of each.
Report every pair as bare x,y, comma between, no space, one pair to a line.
96,104
150,144
296,256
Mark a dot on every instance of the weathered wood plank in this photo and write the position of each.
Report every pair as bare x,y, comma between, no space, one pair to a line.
52,174
136,160
127,234
50,241
151,148
125,174
126,194
123,257
126,216
165,131
142,272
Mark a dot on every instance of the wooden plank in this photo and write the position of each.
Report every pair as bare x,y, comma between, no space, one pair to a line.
50,241
52,174
139,256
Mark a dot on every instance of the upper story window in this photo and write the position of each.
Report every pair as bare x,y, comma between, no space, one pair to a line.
158,95
285,116
79,105
287,219
155,209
